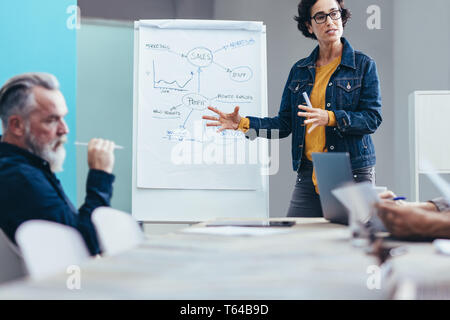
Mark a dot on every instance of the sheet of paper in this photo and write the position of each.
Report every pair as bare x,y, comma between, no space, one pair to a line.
358,198
443,246
235,231
238,223
184,66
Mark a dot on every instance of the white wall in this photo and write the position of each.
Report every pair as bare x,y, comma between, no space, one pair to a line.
146,9
412,51
422,62
286,45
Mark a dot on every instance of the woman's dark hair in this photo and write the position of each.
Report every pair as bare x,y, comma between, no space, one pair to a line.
304,16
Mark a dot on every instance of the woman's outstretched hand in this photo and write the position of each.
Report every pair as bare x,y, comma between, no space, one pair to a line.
224,120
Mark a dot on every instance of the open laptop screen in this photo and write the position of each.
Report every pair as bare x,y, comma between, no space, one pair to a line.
332,171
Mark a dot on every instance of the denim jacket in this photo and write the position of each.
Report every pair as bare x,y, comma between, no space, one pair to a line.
353,94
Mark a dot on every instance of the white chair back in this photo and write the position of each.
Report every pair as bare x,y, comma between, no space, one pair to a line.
117,231
12,266
49,247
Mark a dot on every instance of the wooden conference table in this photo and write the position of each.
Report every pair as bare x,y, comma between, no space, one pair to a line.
314,260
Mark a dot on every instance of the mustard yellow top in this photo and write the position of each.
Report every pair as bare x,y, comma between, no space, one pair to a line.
244,125
316,140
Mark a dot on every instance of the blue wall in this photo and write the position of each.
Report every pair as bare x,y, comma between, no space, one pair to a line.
105,87
34,37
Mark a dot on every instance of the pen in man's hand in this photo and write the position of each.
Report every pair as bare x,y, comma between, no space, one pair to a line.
85,144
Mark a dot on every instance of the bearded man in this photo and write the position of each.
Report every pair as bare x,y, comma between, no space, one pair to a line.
32,110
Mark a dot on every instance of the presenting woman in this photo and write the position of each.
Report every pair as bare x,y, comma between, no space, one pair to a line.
343,87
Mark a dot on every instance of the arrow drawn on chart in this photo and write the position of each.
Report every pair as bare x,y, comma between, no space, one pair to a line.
199,71
174,107
184,124
222,67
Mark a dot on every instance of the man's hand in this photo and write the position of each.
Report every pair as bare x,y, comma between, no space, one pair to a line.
101,155
225,120
389,195
316,116
405,221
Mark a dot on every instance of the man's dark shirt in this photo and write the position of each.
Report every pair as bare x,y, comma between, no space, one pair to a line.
29,190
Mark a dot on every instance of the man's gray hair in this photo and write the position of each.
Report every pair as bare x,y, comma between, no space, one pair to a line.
16,96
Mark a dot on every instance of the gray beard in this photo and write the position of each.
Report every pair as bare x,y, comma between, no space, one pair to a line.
54,158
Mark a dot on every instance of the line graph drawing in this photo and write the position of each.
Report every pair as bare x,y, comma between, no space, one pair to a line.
180,86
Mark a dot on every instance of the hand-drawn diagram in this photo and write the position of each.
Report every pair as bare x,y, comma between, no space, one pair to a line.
187,89
181,71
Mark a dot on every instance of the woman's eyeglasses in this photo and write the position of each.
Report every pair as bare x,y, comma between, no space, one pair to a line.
322,17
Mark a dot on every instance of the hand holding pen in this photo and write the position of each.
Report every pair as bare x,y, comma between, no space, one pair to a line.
316,116
389,195
100,154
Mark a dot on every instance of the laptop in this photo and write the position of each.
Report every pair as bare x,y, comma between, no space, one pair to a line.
333,170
